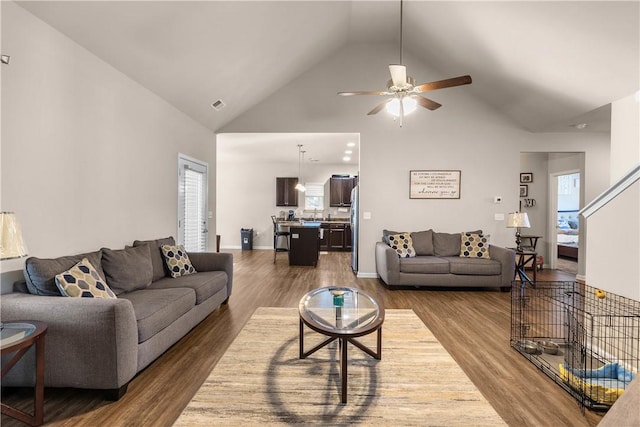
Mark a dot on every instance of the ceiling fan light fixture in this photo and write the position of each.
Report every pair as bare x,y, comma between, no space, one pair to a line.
409,105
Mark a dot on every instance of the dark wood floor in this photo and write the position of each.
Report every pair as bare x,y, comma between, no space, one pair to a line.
472,324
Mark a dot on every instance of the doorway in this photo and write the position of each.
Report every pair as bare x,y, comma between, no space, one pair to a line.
193,222
565,220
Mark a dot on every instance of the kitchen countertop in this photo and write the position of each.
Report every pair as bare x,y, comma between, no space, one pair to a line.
298,223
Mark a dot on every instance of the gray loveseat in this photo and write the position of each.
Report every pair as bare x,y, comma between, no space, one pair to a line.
437,262
95,343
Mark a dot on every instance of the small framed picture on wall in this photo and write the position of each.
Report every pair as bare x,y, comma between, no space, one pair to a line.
524,190
526,178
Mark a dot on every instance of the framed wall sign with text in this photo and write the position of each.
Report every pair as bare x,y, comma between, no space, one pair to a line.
434,184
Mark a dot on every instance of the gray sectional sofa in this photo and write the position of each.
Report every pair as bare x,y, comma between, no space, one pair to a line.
94,343
437,262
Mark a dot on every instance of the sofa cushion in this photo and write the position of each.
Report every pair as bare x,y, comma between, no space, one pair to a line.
474,266
424,265
448,244
177,260
127,269
423,242
156,309
402,244
474,245
160,269
83,281
205,284
40,273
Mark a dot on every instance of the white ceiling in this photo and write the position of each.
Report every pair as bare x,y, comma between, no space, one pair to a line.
544,64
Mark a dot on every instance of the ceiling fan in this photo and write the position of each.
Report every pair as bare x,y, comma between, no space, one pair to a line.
403,92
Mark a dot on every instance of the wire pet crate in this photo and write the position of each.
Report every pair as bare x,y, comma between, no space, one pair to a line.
586,340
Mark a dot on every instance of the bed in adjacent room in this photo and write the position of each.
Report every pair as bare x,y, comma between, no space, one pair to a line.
567,231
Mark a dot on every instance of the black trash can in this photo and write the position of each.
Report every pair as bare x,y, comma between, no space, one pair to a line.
246,237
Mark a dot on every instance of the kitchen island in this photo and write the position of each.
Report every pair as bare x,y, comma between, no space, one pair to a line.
304,243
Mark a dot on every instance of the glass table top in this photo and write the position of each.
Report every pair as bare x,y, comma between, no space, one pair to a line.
340,309
13,332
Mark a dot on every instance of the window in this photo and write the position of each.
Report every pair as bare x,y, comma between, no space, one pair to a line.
314,197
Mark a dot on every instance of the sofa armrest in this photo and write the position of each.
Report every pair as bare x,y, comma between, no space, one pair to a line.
90,343
507,258
214,261
387,264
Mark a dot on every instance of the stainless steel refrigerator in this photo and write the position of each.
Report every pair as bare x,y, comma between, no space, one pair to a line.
354,229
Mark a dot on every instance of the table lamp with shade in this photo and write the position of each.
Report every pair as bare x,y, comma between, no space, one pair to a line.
11,243
518,220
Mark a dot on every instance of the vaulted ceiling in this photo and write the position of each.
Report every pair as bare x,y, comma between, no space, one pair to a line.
544,64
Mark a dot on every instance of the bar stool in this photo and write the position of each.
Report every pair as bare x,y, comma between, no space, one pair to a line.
277,234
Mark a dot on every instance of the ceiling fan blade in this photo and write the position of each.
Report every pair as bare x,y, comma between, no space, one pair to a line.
398,74
441,84
378,108
427,103
364,92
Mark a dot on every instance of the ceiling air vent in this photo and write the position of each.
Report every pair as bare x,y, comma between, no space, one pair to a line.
218,105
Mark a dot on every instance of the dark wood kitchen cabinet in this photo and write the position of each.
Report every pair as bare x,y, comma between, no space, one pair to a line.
340,191
348,238
286,193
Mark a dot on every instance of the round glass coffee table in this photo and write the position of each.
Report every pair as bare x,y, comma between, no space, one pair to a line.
341,314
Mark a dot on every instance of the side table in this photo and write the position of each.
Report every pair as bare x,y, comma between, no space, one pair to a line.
18,337
522,258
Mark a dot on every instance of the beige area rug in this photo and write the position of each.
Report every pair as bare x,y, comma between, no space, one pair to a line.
261,381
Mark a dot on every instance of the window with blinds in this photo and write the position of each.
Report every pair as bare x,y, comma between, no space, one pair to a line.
314,196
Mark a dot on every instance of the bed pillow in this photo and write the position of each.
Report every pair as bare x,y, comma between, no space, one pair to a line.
473,245
402,244
177,260
83,281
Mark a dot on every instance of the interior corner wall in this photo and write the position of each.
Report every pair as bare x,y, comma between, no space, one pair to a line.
537,164
614,230
89,157
465,134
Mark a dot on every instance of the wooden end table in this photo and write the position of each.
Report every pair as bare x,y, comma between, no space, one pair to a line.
18,337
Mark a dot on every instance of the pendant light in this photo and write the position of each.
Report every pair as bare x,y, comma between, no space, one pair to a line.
299,186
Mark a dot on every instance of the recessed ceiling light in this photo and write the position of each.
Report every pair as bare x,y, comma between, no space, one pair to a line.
348,151
346,158
579,125
351,144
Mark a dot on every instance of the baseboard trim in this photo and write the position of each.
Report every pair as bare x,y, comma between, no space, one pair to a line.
364,275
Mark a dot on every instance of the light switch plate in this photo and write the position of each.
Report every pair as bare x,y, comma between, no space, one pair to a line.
366,215
498,217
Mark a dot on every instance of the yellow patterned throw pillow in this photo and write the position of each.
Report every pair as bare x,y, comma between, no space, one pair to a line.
177,260
474,246
402,244
83,281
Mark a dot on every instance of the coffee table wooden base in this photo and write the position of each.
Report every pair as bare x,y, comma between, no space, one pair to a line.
343,340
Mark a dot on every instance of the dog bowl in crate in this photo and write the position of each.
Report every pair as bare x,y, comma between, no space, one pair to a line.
549,347
529,346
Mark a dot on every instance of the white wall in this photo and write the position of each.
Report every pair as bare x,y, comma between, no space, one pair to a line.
614,230
247,196
464,134
537,164
89,157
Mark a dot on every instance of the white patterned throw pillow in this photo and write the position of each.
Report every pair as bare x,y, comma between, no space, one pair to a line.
177,260
402,244
83,281
474,245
